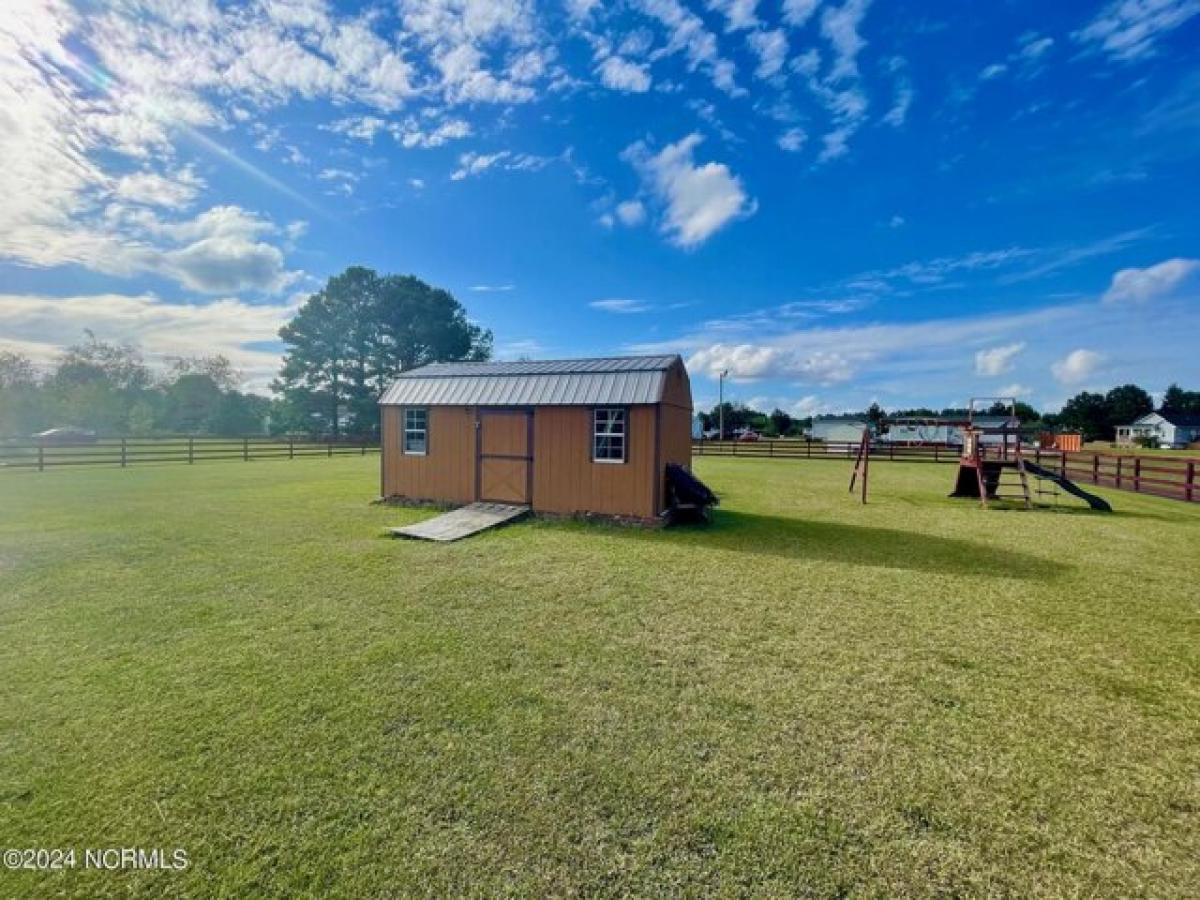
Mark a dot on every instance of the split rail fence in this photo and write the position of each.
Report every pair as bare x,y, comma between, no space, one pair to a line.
124,452
1171,477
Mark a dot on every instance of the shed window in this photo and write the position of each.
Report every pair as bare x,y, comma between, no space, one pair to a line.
608,435
416,431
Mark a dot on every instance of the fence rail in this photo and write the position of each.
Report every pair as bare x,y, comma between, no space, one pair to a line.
125,452
1173,478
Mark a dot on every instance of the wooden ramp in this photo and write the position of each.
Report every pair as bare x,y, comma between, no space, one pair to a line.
462,522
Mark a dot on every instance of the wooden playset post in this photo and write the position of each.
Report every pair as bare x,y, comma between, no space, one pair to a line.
862,463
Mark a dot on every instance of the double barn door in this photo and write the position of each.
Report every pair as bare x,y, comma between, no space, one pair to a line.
505,455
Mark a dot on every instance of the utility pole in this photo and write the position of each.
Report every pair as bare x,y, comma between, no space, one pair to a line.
721,405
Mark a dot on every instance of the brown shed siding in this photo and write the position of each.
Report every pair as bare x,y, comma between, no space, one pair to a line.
676,440
677,389
561,476
447,472
566,480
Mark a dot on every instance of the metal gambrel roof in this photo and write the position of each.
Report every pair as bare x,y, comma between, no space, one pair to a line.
561,382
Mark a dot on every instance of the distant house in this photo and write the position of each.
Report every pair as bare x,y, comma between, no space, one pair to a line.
833,430
1171,429
932,431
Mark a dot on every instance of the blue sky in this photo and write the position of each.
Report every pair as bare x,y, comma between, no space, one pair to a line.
839,201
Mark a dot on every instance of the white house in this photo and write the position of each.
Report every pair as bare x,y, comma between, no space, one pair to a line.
932,431
835,431
1175,430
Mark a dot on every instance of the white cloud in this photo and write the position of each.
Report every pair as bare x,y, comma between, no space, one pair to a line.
631,212
1077,366
364,128
750,362
579,10
622,75
492,288
896,221
840,26
174,191
223,252
899,111
1025,60
897,115
619,305
797,12
410,133
472,163
1015,390
1143,285
1130,29
699,200
997,360
792,140
1033,46
686,33
337,175
739,14
772,50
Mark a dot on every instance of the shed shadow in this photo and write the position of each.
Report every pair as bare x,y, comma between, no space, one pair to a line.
837,542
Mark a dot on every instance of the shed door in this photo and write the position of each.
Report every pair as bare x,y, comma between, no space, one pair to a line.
505,455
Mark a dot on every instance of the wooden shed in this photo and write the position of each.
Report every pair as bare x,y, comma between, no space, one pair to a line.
577,436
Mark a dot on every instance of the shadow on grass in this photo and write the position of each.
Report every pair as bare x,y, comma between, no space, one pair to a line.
860,546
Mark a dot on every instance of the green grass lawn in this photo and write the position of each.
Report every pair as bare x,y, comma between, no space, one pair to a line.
809,698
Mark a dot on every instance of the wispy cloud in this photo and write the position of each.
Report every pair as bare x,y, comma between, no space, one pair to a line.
620,305
1152,282
1131,29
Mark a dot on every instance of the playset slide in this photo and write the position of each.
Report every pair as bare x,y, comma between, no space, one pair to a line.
1069,486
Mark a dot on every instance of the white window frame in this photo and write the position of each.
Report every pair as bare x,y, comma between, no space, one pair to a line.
623,434
423,431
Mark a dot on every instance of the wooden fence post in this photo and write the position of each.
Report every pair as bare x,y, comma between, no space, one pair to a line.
1117,480
1137,474
124,453
291,448
1095,468
329,447
364,447
1189,486
41,457
191,450
245,449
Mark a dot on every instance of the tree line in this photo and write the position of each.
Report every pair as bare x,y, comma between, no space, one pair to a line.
1096,416
345,344
108,388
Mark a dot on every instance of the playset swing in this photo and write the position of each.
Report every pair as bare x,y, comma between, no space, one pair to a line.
991,466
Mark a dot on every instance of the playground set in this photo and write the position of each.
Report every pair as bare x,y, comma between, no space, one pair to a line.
992,466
